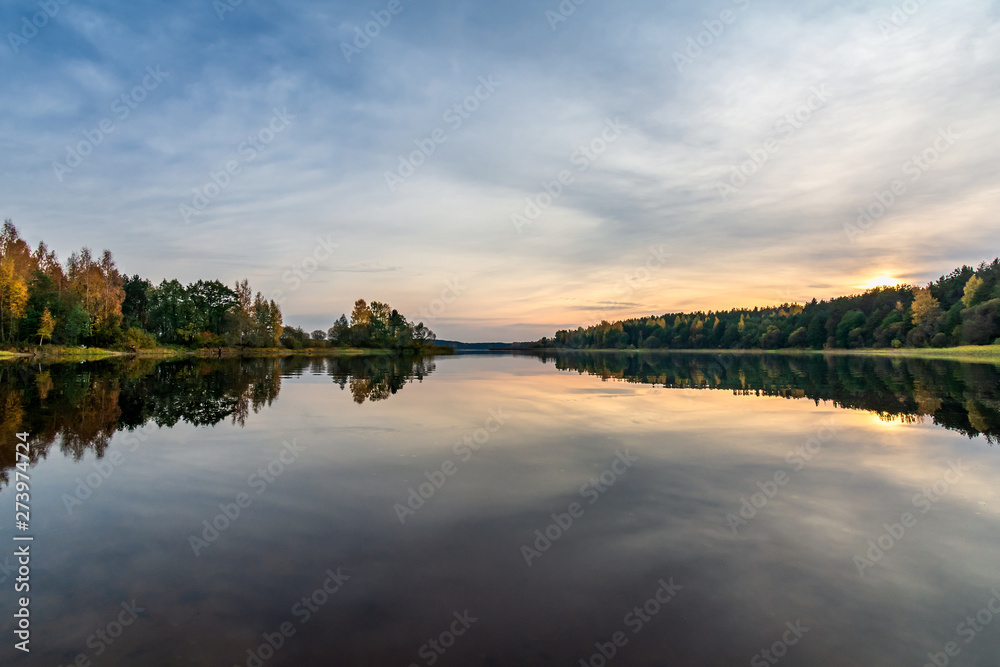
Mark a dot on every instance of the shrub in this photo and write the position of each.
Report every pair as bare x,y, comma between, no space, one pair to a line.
981,323
143,340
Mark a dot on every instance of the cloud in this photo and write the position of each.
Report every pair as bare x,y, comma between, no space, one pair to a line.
361,267
890,92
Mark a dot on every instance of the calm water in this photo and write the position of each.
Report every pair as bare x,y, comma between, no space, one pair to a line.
690,510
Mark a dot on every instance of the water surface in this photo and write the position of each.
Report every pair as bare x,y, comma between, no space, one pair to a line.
550,499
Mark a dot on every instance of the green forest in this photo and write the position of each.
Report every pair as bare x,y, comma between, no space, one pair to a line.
89,302
961,308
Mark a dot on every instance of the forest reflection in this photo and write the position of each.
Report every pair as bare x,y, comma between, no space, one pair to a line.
83,405
957,396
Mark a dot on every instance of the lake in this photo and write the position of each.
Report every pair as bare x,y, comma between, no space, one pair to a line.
573,509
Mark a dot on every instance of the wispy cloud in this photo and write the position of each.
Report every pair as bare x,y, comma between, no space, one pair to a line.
783,231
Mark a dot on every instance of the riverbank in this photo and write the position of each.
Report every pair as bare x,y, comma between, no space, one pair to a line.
57,354
965,353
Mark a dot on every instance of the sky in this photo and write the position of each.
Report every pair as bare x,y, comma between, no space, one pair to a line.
503,170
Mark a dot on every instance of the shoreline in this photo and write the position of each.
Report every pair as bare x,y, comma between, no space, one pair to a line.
96,354
965,353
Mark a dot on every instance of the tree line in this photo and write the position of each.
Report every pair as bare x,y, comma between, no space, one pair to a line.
88,301
961,308
376,325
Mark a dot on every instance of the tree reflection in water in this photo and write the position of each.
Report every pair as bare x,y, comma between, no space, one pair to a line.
84,405
956,396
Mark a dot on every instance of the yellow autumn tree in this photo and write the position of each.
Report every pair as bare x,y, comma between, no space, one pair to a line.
971,288
925,307
98,285
46,325
13,297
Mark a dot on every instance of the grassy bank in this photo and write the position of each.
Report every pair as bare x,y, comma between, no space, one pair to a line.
970,353
55,353
965,353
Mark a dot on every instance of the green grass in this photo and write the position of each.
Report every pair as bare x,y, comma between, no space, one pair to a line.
966,353
976,353
58,353
73,353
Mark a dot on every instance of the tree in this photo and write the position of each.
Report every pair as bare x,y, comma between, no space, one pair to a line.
294,338
925,307
244,296
266,317
135,304
361,315
798,338
422,335
981,324
46,326
214,301
851,321
13,298
98,286
971,288
169,310
77,325
16,250
339,333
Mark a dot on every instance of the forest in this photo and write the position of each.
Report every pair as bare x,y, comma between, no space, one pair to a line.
89,302
961,308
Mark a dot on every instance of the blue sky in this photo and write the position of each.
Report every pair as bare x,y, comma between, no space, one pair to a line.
711,154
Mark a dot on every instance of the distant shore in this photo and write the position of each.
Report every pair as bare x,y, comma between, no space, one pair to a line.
968,353
93,353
